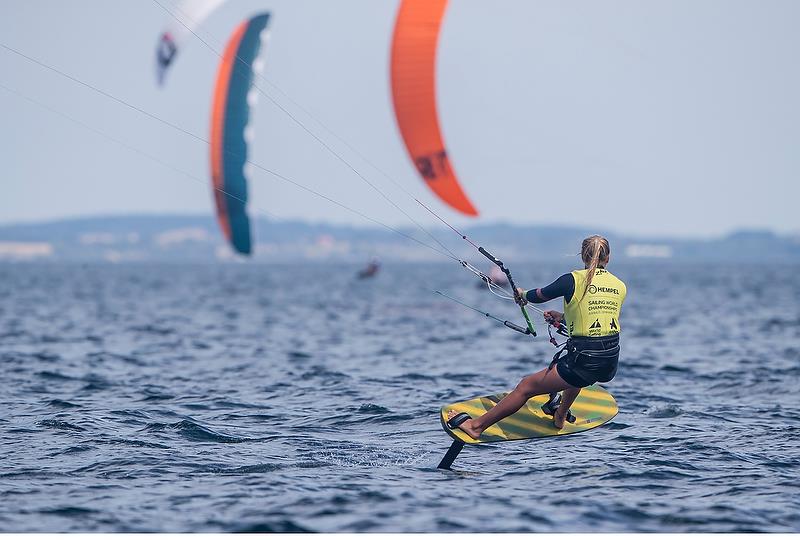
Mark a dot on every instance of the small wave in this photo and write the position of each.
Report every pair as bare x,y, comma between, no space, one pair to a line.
96,385
46,338
649,474
28,474
647,333
131,442
780,464
54,376
280,526
251,469
632,364
68,511
153,329
130,413
327,377
780,375
678,369
195,432
628,438
415,377
371,408
254,417
73,450
13,334
448,525
127,467
383,418
60,425
773,323
61,404
707,415
152,394
448,339
311,464
21,430
45,356
103,356
538,518
666,411
683,464
357,455
196,406
366,414
228,404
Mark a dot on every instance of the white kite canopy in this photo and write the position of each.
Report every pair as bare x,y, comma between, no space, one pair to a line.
184,20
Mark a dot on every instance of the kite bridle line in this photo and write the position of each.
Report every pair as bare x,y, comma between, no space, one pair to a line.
508,324
561,328
517,298
493,287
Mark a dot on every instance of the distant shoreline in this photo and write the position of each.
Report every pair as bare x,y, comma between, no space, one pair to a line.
195,238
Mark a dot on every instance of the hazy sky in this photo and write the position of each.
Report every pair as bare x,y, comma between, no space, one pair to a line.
671,117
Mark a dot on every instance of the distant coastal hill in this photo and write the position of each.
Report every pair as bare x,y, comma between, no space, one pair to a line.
197,239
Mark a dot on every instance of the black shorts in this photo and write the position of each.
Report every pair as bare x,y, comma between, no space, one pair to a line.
589,360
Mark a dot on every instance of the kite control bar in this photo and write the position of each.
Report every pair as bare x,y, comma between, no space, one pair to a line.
517,297
518,328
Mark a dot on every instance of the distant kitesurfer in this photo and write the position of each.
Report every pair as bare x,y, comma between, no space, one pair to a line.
593,299
371,269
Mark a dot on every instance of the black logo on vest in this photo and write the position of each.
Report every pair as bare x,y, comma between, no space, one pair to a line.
596,328
594,290
614,325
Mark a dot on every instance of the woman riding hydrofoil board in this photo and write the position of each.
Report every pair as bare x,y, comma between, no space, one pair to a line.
593,299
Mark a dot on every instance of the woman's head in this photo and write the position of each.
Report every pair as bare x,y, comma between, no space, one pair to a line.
595,252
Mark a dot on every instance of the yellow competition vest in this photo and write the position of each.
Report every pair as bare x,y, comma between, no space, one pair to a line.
596,314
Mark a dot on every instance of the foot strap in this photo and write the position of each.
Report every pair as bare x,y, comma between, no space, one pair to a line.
457,420
552,405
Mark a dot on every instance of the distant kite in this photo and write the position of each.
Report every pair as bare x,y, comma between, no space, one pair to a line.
187,16
230,137
413,72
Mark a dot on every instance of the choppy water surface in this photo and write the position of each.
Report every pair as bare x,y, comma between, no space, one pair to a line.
271,398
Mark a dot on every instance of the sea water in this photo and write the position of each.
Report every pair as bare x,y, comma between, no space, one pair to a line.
298,398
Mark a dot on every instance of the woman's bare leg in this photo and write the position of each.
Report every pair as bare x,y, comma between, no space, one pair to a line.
543,382
567,399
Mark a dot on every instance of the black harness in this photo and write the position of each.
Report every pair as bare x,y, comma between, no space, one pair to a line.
570,347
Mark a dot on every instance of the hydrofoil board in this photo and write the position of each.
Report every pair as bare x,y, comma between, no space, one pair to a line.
593,407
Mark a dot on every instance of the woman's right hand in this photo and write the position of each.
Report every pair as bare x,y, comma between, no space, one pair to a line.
556,318
519,298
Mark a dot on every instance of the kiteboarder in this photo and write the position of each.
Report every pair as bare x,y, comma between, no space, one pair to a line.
371,269
593,298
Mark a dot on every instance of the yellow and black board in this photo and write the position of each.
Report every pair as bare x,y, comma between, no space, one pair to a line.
593,407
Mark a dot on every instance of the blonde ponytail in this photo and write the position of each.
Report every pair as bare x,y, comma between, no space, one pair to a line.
593,250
